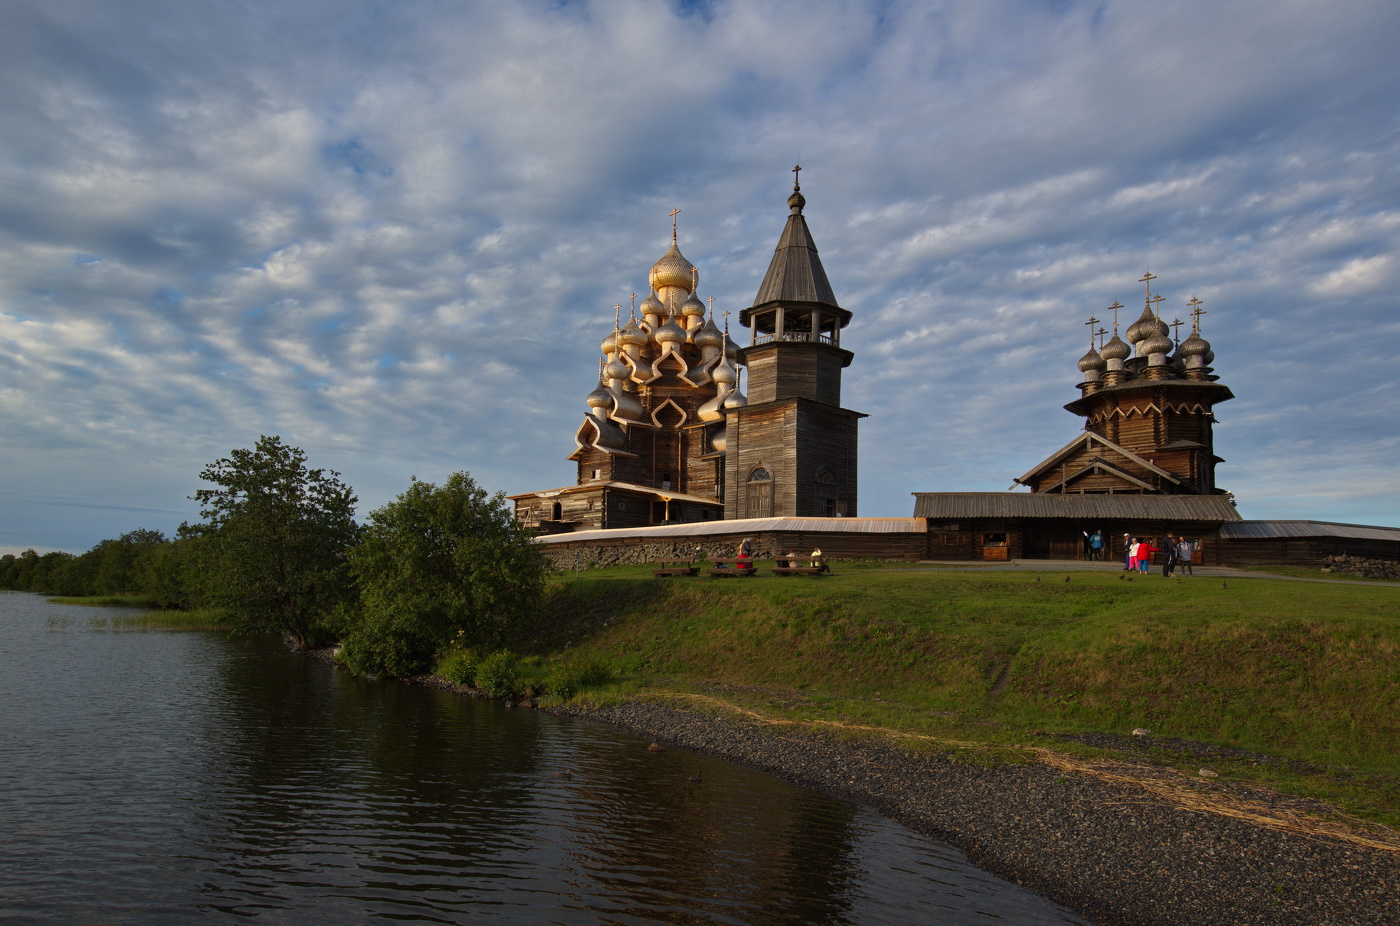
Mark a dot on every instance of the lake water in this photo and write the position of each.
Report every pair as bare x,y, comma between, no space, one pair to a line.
161,777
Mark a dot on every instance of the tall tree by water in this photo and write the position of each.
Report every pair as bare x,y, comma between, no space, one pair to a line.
439,564
272,550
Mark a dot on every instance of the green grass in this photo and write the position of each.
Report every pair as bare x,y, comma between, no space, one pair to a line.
1305,671
109,601
164,620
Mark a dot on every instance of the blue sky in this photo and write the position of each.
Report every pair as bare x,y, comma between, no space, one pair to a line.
393,233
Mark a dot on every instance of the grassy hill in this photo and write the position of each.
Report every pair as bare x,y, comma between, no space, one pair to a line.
1302,678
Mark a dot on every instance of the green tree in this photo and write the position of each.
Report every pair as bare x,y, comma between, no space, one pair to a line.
439,564
272,548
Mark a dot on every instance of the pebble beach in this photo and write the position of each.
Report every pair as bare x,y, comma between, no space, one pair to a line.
1120,844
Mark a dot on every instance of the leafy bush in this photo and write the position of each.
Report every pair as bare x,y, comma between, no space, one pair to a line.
459,666
569,678
444,566
498,673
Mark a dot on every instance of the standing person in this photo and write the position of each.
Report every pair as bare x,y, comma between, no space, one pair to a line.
1132,554
1128,552
1096,545
1183,556
1144,556
1168,555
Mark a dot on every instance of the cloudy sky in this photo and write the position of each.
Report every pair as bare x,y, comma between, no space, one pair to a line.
393,232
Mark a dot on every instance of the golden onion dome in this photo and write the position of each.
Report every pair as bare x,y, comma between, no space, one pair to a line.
616,369
672,270
600,397
609,344
1091,361
693,307
736,399
652,305
670,332
633,333
725,374
719,440
708,336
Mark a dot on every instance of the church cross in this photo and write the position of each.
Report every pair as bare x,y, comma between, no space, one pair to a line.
1115,307
1154,300
617,316
712,308
1091,323
726,323
1196,313
673,213
1146,280
796,177
634,306
1101,332
1176,330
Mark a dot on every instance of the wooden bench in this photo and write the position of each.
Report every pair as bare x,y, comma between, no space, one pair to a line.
820,569
720,569
676,567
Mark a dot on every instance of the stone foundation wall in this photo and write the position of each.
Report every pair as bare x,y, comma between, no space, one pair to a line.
1361,566
766,546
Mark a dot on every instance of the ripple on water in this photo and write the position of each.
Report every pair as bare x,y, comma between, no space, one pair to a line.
155,777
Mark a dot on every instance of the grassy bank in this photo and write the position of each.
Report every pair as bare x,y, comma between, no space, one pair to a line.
144,615
1307,672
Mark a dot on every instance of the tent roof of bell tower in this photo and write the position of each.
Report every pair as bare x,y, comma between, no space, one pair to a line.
795,273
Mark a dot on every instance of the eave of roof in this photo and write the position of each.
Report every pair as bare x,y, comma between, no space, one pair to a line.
750,526
659,494
1272,530
946,506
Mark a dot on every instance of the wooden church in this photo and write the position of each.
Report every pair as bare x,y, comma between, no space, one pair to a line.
670,437
1143,465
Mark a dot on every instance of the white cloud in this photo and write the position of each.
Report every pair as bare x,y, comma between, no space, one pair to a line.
395,235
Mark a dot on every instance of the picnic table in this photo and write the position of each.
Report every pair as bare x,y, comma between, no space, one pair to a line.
675,567
793,569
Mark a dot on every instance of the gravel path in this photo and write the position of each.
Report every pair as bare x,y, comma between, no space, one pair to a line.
1115,851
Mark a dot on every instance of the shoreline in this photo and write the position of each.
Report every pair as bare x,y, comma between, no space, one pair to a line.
1103,845
1118,843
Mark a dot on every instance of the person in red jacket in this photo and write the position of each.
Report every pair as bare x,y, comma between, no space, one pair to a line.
1145,551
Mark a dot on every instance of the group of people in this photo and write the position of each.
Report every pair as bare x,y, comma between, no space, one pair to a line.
743,557
1137,554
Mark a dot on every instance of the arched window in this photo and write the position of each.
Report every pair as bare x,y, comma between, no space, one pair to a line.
557,514
759,498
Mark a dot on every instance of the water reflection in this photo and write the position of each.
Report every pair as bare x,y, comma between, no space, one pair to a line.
158,777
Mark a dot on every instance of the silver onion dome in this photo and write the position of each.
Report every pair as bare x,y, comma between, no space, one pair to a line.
1146,326
1115,349
1156,343
1194,346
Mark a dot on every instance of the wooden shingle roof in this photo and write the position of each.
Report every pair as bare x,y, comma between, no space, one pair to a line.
944,506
